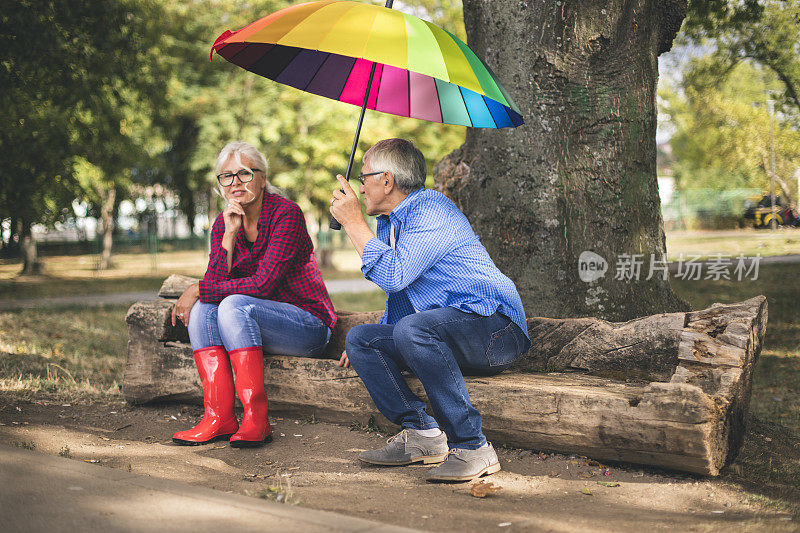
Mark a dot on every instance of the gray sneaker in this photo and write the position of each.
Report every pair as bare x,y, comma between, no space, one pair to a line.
466,465
408,447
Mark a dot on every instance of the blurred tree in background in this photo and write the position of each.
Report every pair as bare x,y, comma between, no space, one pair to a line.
80,82
741,50
103,100
723,128
304,137
106,95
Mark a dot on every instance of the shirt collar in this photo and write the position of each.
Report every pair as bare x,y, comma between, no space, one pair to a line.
399,212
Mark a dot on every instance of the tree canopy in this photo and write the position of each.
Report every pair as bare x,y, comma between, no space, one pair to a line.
722,126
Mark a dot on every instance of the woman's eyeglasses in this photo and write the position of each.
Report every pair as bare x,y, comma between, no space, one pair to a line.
245,175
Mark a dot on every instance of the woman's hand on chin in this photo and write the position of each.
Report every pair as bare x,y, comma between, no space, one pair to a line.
233,215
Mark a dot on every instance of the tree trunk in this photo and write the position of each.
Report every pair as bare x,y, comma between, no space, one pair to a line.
30,256
107,219
3,243
578,178
13,232
324,252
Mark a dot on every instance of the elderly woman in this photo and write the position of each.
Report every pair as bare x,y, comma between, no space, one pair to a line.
262,291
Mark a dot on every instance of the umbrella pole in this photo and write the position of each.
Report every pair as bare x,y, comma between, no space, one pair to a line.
334,224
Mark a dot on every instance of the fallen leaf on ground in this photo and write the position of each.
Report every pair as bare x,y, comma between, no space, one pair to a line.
608,483
483,489
553,474
586,491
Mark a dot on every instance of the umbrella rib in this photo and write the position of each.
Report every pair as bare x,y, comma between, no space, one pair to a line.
466,108
438,100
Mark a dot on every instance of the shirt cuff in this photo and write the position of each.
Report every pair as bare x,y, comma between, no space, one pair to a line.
372,253
220,270
206,290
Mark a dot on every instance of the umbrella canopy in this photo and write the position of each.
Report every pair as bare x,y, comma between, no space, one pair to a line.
328,48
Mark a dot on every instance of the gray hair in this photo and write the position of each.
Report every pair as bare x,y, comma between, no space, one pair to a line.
401,158
239,149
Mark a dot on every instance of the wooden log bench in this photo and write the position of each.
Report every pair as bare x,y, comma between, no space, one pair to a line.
669,390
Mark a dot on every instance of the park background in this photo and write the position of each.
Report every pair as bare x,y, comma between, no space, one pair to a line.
113,119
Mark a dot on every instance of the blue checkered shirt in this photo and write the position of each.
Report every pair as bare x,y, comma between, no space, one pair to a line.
437,261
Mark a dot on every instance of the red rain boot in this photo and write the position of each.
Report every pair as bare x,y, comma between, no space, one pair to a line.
248,365
219,421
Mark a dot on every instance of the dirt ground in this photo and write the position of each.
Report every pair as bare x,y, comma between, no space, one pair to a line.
313,464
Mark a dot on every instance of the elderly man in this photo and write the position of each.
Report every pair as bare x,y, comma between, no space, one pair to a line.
449,310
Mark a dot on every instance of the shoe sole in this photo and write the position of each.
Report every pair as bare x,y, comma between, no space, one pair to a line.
184,442
491,469
424,459
251,443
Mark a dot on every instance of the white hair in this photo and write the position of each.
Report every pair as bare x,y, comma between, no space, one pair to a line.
401,158
237,150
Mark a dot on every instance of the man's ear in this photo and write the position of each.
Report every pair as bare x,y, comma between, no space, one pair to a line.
388,182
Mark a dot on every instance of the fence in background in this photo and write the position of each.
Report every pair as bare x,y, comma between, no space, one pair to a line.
707,209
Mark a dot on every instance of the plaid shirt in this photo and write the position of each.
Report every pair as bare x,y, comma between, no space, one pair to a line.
280,265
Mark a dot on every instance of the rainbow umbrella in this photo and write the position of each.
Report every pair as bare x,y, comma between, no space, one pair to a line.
374,57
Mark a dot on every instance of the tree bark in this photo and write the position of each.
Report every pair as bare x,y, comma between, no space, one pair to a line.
107,220
30,256
324,252
13,233
579,175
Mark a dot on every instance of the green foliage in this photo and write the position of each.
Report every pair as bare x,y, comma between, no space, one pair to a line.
766,32
103,96
306,138
723,127
80,80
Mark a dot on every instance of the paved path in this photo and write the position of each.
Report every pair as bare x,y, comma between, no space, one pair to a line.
334,286
43,493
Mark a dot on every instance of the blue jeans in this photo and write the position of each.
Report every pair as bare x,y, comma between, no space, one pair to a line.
241,321
436,346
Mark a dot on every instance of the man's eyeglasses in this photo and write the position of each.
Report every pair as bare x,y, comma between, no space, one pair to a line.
245,175
362,176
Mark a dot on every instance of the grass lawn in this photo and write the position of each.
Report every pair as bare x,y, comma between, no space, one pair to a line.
733,242
86,351
78,275
76,353
776,388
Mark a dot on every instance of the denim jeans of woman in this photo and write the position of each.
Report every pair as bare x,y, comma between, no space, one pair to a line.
241,321
436,345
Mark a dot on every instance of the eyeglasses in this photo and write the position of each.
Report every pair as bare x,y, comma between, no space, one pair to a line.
245,175
362,176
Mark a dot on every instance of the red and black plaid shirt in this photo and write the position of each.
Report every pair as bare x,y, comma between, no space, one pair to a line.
280,265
